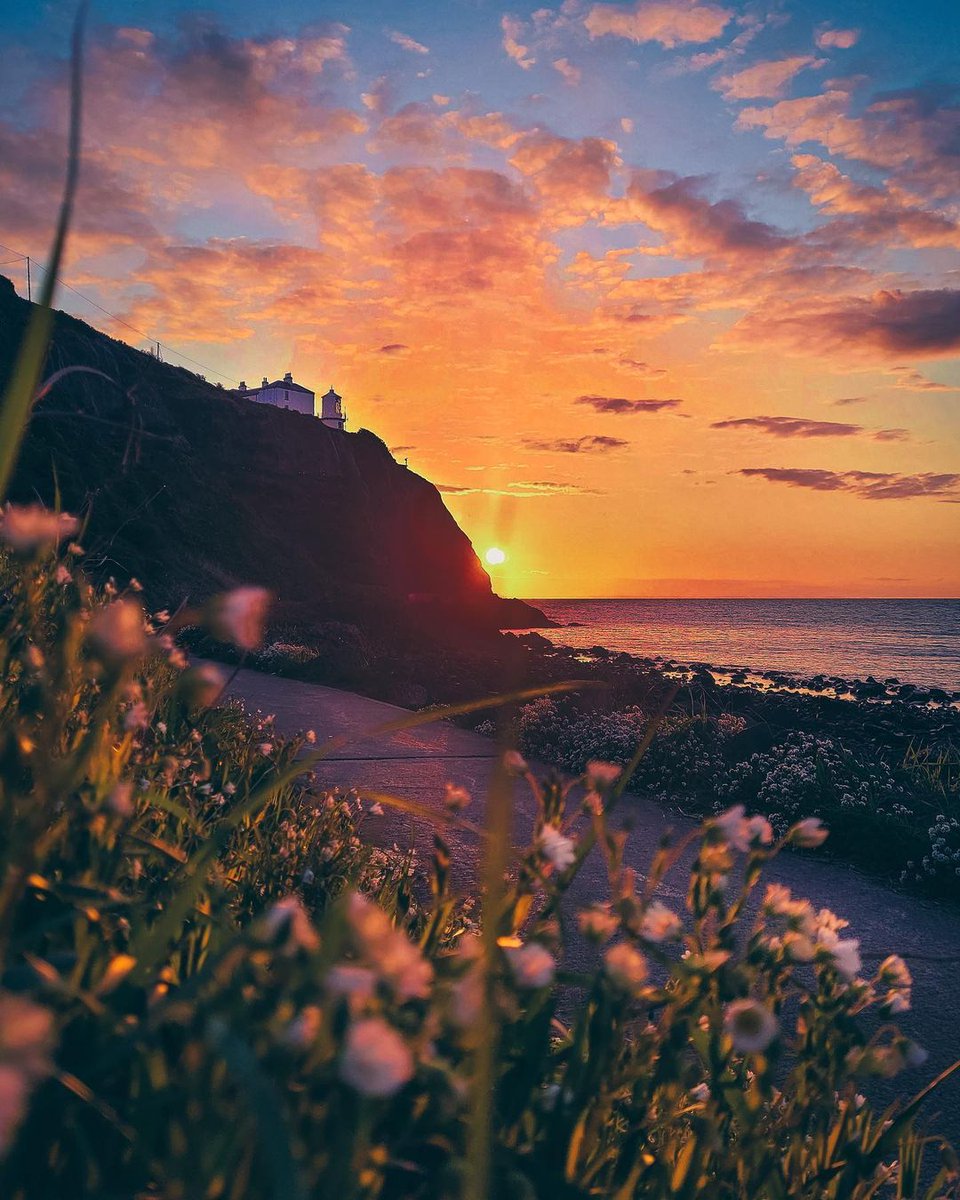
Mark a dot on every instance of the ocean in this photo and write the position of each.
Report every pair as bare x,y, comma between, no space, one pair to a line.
915,641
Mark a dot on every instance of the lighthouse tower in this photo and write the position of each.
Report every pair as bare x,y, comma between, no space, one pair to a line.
331,412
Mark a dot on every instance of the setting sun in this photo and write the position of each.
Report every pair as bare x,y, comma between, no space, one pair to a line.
495,556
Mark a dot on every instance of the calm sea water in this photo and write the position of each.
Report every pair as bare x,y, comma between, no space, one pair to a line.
917,641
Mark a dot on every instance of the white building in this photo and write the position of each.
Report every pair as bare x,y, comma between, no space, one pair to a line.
284,393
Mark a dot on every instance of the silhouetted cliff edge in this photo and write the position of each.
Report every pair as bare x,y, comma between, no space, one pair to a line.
193,490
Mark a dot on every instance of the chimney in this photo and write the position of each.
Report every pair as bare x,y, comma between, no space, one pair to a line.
264,383
288,378
243,385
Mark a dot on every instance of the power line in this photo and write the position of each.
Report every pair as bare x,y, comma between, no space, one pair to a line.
113,317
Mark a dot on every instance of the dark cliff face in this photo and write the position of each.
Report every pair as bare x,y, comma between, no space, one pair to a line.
191,489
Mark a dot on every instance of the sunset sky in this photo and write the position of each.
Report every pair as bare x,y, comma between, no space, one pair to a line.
665,296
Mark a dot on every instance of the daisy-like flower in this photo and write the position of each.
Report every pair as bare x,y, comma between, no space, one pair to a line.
659,923
456,798
625,967
117,633
289,918
29,528
200,686
556,847
602,775
808,833
842,953
750,1025
376,1061
515,763
532,965
598,923
239,616
26,1051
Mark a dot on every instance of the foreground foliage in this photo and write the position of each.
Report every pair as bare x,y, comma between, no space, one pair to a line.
212,988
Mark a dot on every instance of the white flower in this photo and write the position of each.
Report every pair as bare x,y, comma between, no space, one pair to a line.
201,686
625,967
376,1061
31,527
389,951
26,1049
358,984
843,953
700,1093
659,923
895,973
515,763
732,825
808,833
532,965
304,1028
556,848
136,717
601,775
120,800
897,1001
117,634
759,831
239,616
598,923
750,1025
455,797
289,918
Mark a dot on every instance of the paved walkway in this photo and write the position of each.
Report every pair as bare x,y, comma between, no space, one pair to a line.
416,763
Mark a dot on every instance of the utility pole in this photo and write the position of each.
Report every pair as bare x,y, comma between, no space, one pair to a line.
29,288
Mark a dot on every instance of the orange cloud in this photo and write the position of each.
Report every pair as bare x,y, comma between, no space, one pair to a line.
669,22
766,79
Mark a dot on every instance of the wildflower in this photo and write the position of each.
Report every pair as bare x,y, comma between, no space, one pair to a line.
625,967
895,973
700,1093
732,826
288,920
307,877
456,798
842,953
26,1048
798,947
602,775
311,736
116,633
515,763
750,1025
376,1061
659,923
120,800
390,952
303,1030
759,831
915,1054
265,748
136,717
556,848
897,1001
200,687
808,833
598,923
62,574
466,999
376,810
532,965
29,528
239,616
357,984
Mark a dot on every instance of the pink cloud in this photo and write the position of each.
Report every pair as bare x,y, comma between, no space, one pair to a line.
512,29
866,485
568,71
837,39
405,42
669,22
765,79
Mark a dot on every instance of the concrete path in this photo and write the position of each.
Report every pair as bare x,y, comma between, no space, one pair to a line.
415,764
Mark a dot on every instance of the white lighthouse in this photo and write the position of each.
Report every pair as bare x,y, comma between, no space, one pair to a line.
331,411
